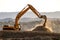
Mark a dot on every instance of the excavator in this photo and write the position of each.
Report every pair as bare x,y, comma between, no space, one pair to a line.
20,14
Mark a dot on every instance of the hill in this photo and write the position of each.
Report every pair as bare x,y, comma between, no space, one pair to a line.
29,14
53,23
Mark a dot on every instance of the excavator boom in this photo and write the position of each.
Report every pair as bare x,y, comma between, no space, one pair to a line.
23,12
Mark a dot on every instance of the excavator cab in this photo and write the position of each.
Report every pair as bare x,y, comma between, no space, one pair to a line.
7,27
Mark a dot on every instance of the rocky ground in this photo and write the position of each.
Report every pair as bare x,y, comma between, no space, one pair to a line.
53,24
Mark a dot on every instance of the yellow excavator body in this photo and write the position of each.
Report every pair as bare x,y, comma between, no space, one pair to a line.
20,14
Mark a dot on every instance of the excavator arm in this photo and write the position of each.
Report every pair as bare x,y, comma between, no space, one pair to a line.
34,10
19,16
23,12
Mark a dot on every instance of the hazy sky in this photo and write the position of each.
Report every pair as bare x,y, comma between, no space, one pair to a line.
40,5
